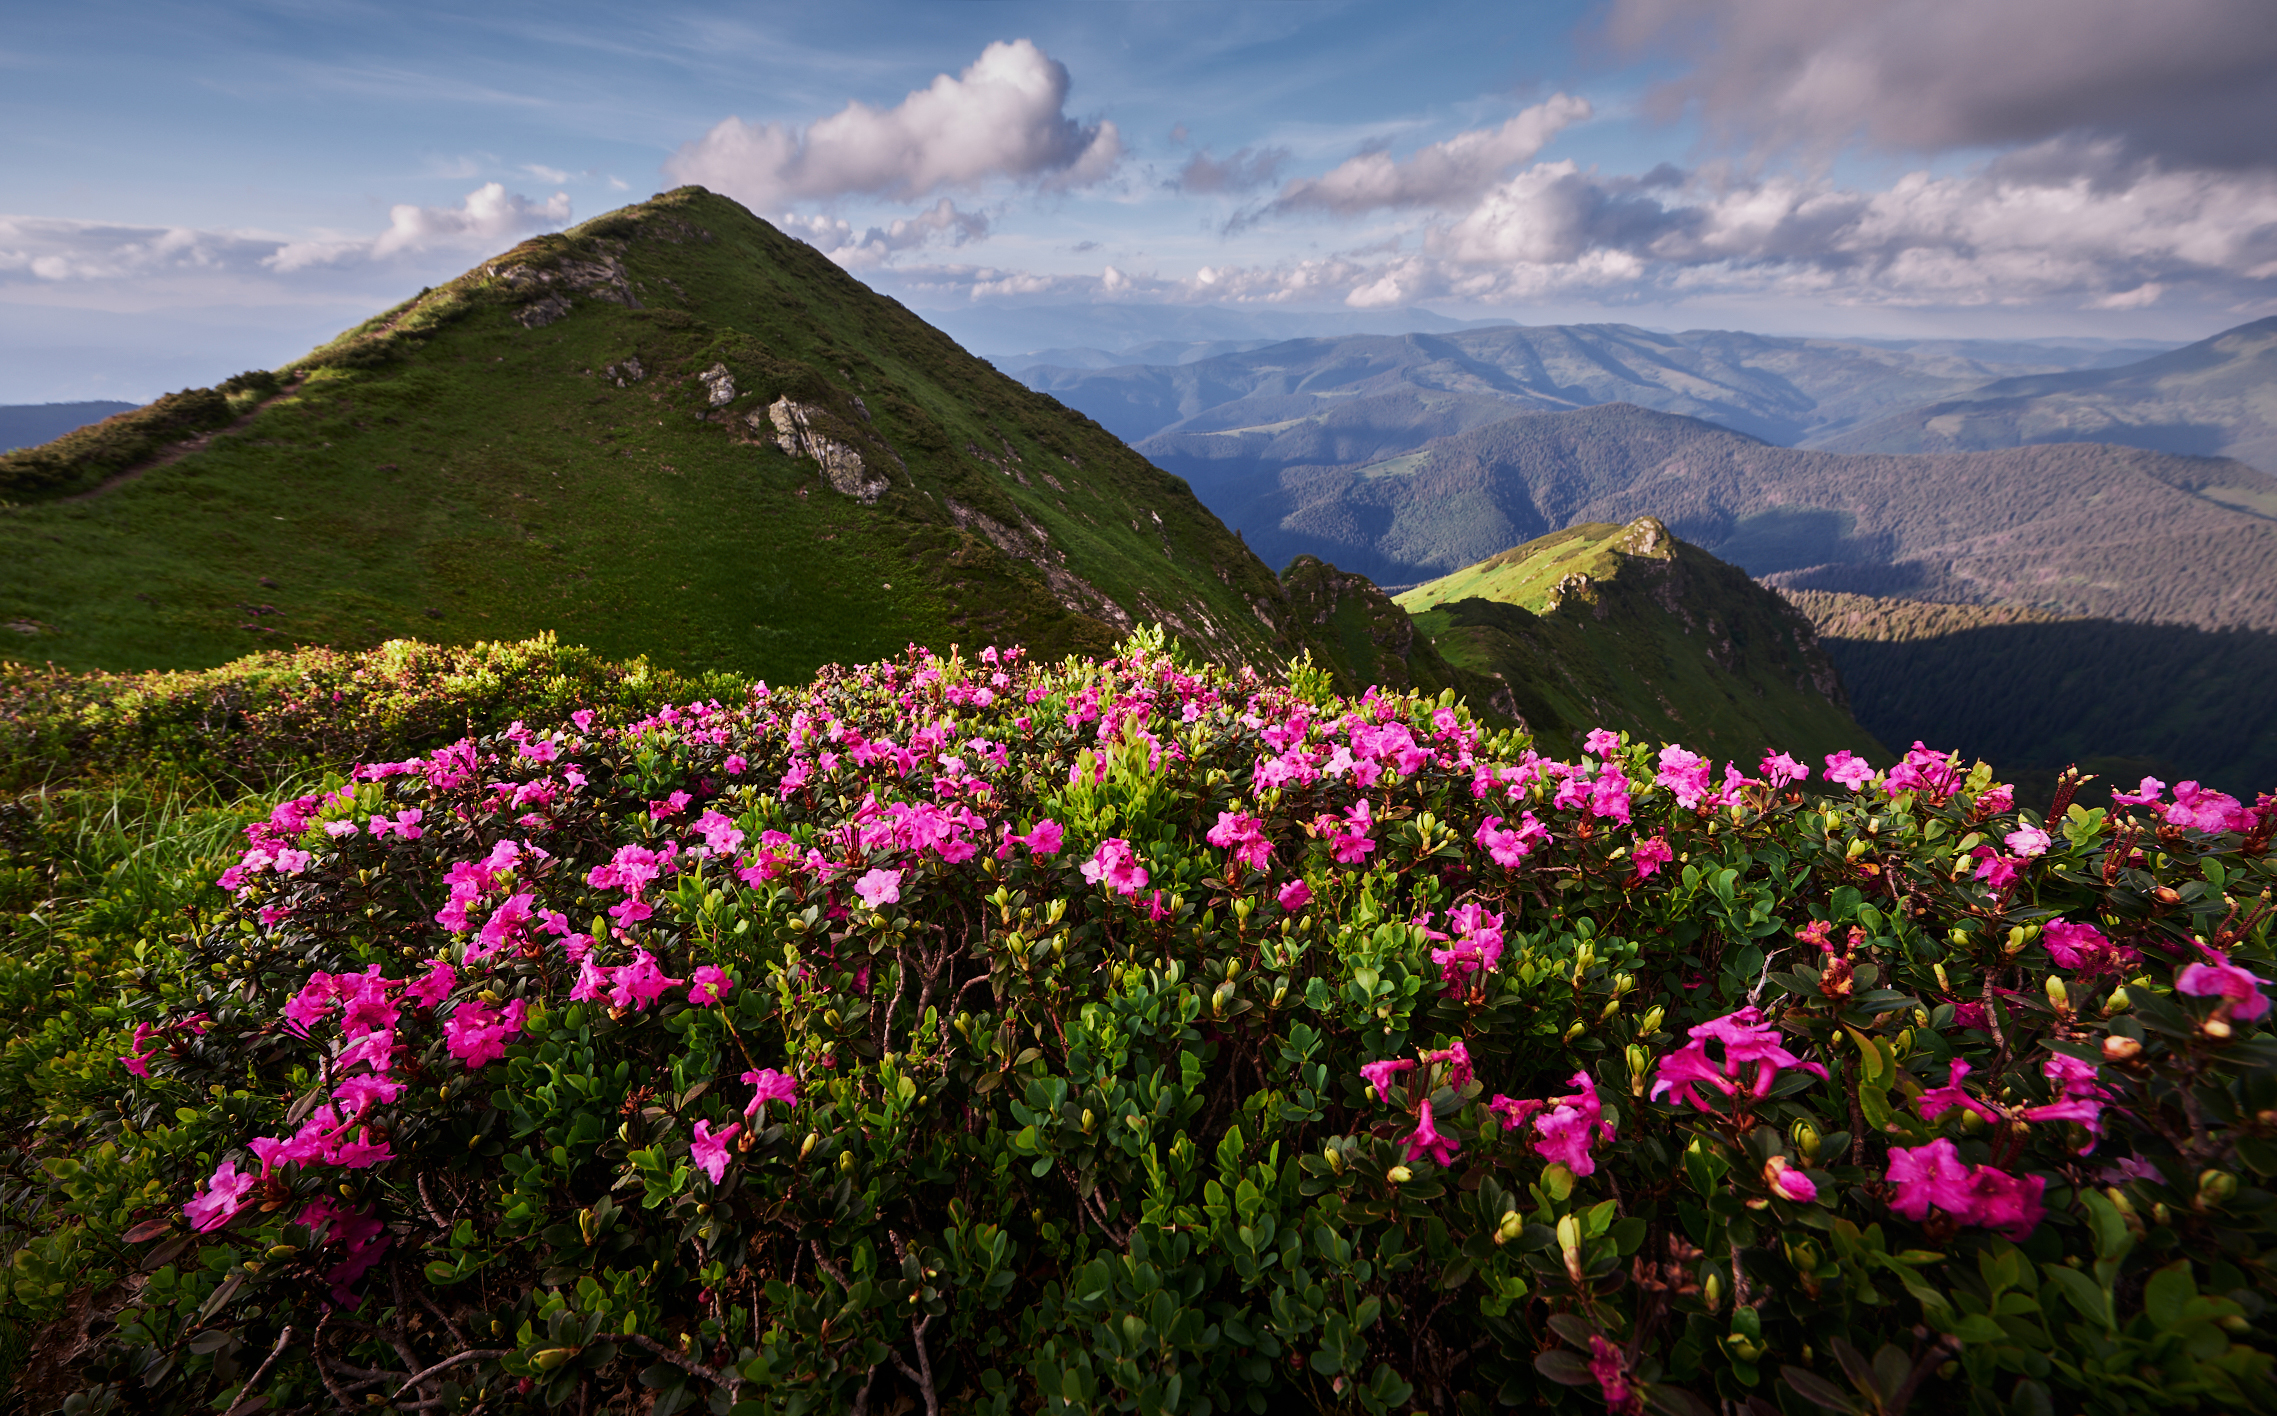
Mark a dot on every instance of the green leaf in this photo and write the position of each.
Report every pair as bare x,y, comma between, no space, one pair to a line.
1817,1390
2168,1291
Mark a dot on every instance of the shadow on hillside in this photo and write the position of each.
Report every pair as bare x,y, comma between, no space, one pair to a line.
2201,702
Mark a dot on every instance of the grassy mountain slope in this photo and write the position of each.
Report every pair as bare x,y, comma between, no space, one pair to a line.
576,437
2027,690
2119,533
1629,628
2215,398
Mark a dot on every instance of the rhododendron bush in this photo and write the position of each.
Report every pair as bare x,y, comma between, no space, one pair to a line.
973,1034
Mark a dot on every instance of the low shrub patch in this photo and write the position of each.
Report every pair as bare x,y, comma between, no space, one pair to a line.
980,1035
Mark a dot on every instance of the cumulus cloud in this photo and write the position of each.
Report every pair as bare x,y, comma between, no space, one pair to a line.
1003,117
2075,227
942,224
46,250
1244,171
2191,81
490,214
1454,173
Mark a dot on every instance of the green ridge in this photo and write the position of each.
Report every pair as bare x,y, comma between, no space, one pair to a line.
1627,627
534,447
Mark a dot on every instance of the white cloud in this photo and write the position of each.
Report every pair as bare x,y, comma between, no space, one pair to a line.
489,215
1003,117
942,224
1453,173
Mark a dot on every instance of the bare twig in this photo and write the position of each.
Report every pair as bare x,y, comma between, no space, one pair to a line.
922,1374
324,1372
731,1379
244,1393
481,1355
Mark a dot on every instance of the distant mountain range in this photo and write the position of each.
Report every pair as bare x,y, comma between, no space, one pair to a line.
30,424
2215,398
1349,398
2081,528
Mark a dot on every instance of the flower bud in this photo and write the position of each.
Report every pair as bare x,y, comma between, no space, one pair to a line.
1569,1244
1712,1292
2214,1187
1334,1154
813,1139
1640,1063
846,1162
1399,1175
2059,997
2121,1049
1806,1139
1510,1227
1787,1183
2216,1028
1576,1030
1090,1120
2118,1002
1652,1017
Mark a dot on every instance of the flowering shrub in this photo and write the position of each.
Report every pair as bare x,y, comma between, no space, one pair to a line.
981,1035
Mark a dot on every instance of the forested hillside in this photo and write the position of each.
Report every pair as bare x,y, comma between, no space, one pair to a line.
2033,692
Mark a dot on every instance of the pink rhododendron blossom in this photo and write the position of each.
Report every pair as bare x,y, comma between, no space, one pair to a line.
1610,1366
2197,807
709,984
1426,1140
1779,769
433,986
1475,947
1936,1101
1114,865
1745,1040
1934,775
1650,855
640,983
592,982
2225,980
2028,841
1601,743
1609,796
1045,839
1686,775
879,888
1458,1061
1996,870
2148,793
1242,837
1934,1176
709,1149
1849,769
1997,800
224,1196
1510,845
1379,1074
767,1085
477,1033
1571,1124
1511,1111
362,1153
1782,1179
1295,895
2082,947
359,1094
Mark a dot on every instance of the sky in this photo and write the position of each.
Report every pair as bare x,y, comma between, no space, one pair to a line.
187,190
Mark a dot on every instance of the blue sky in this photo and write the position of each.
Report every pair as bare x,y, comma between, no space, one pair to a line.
187,190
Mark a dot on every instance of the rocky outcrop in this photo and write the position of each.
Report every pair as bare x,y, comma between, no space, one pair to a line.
801,430
719,386
549,286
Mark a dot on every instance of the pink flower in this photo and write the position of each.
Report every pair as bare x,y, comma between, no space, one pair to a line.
709,984
1997,870
1686,774
1510,846
1114,865
2147,793
1570,1125
1601,743
1295,895
1380,1074
1513,1112
1242,837
639,983
1426,1140
879,887
2223,979
2194,806
1651,855
1936,1101
2081,947
362,1153
1746,1040
1850,770
1458,1060
477,1034
1045,839
1476,948
432,987
709,1149
1935,1176
1787,1183
223,1198
2028,841
1610,1367
135,1065
1779,769
359,1094
769,1085
1935,775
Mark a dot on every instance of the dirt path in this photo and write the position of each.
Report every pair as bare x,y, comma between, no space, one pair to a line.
177,451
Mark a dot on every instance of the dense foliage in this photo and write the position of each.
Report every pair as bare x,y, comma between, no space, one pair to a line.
981,1035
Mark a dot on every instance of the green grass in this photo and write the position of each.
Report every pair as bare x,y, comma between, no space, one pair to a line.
445,473
1662,641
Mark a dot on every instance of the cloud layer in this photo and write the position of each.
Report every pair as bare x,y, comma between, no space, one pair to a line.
1003,117
2190,81
1456,172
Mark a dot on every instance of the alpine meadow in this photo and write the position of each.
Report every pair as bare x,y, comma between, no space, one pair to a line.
1381,823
